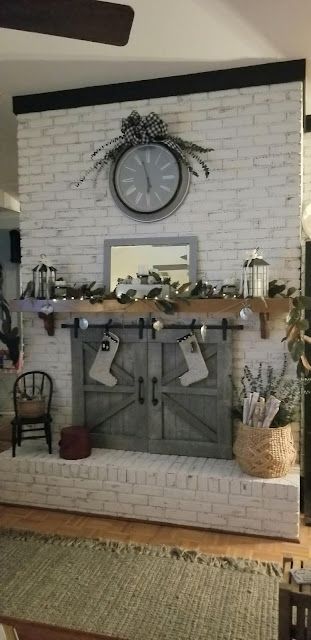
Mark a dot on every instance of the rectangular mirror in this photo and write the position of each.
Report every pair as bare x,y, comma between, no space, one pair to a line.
173,258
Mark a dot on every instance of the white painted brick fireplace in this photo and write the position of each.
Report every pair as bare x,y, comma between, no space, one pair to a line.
252,197
196,492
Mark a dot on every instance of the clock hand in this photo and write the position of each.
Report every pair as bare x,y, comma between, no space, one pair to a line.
149,185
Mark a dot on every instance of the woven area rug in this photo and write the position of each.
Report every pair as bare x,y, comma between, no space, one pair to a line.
136,592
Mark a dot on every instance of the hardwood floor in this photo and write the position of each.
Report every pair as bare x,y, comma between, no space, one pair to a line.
54,522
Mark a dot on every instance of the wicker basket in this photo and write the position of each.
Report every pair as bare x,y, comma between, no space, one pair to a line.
31,408
265,453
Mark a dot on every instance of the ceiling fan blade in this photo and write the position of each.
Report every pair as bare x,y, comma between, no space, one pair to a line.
90,20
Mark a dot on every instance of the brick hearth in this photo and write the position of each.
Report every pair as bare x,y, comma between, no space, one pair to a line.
207,493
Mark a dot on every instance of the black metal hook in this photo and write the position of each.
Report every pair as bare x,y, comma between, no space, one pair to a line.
76,327
141,326
107,326
224,326
153,331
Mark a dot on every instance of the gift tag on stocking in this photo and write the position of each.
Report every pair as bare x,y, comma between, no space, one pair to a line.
100,369
195,361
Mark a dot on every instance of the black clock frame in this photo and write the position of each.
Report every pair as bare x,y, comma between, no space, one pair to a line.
163,212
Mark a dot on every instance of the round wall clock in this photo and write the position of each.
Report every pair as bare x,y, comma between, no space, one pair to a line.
148,182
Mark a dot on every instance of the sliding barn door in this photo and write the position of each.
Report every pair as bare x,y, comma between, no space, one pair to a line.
148,409
116,416
194,420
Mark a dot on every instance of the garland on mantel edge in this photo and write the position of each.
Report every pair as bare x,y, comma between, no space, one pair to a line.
137,129
167,305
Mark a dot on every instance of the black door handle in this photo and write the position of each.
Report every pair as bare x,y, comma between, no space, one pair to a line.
154,399
141,398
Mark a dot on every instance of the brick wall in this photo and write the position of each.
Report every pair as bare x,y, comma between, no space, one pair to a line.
251,198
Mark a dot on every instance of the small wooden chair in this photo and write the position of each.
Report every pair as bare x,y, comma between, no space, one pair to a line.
29,384
294,615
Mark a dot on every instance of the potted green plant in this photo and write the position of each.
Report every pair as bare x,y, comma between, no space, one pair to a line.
296,336
296,324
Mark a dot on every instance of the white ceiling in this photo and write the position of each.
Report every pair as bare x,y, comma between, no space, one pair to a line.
168,37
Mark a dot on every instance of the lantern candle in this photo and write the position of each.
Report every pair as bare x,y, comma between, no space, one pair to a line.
44,277
256,276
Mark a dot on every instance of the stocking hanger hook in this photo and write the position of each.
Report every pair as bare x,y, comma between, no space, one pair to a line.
107,326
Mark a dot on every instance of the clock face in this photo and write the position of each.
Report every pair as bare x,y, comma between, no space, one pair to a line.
148,182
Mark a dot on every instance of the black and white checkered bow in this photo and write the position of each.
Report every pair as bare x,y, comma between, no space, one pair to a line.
138,129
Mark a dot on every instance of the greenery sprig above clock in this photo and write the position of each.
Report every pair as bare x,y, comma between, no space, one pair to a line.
150,169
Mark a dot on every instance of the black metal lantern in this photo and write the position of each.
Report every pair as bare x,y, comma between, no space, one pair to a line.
255,276
44,276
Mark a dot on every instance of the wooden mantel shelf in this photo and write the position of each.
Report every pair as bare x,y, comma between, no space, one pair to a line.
209,306
221,306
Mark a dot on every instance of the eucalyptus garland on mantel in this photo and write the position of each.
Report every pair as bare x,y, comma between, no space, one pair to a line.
136,130
167,304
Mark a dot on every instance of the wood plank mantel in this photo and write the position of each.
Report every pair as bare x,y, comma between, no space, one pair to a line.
219,306
209,306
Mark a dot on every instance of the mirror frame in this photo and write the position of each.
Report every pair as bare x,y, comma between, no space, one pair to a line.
174,241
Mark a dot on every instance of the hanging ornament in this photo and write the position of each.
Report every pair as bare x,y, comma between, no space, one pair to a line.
204,332
255,277
83,324
246,313
44,277
158,325
46,314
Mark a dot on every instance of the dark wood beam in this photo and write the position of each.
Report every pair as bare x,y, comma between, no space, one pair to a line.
272,73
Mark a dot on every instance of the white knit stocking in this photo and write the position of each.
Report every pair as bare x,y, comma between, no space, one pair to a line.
193,356
100,369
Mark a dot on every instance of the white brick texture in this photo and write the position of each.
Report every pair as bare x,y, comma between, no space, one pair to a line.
251,198
249,505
